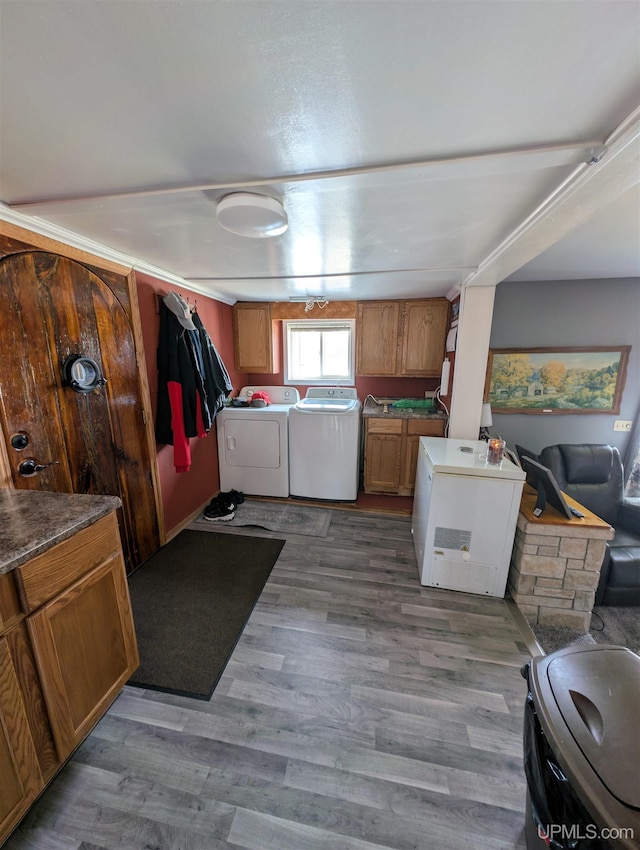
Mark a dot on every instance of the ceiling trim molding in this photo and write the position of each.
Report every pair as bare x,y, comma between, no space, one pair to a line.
588,147
333,275
80,243
587,189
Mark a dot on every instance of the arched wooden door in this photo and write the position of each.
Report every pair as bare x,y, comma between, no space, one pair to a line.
89,440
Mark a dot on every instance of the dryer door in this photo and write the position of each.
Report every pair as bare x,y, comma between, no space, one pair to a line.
253,443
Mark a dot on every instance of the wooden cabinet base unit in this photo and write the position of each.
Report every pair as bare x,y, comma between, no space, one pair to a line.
63,662
20,777
391,452
86,649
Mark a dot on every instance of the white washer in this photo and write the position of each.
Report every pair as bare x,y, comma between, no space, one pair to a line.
253,444
324,444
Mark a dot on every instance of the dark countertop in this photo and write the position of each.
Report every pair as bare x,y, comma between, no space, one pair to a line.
32,521
370,408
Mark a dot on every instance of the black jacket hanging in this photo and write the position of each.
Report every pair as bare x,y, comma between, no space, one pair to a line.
217,383
179,414
193,382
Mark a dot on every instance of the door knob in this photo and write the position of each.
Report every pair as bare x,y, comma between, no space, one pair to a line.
20,441
32,467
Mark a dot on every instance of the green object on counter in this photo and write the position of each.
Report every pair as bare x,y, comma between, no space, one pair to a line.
415,403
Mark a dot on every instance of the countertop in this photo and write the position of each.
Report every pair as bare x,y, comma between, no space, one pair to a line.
32,521
371,408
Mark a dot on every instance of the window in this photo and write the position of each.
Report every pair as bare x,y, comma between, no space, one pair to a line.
319,352
632,488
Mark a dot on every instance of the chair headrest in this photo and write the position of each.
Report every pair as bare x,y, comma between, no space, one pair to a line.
587,464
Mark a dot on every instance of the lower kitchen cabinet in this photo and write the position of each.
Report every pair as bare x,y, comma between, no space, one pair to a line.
86,650
391,452
64,661
20,776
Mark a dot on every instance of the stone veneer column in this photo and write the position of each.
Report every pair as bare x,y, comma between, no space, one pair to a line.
555,565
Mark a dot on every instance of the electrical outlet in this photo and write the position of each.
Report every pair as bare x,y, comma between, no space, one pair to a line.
622,425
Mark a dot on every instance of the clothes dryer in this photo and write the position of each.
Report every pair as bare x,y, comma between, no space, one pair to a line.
253,443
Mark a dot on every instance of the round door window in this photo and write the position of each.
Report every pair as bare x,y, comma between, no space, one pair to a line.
82,373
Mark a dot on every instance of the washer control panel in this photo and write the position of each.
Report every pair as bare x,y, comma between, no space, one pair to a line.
332,392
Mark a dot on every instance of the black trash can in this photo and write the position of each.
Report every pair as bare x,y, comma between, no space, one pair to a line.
582,749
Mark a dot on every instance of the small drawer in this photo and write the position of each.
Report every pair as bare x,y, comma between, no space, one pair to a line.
384,426
425,427
51,572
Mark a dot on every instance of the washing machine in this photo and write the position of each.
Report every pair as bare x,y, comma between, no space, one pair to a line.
324,444
253,443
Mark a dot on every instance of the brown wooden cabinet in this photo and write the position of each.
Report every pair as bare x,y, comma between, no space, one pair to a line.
68,648
81,628
377,329
20,776
401,338
391,452
382,455
254,339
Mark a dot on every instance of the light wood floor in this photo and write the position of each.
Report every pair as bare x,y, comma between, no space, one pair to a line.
359,711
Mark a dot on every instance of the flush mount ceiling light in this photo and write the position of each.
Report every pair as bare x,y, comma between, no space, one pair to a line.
256,216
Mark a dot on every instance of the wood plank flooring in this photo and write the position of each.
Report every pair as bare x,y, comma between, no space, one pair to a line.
359,711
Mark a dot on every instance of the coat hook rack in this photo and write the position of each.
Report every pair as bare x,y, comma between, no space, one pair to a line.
158,296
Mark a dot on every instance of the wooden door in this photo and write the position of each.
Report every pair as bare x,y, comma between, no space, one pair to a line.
52,307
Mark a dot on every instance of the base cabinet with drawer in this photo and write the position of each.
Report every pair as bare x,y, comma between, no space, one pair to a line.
64,657
391,452
20,776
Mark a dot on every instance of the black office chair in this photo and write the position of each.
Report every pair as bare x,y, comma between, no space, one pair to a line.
593,475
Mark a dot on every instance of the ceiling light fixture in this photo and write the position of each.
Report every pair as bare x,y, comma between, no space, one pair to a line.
310,301
256,216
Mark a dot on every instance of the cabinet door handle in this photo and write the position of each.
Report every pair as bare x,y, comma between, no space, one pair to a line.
231,443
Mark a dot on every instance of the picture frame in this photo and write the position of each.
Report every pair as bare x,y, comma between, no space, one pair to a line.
556,381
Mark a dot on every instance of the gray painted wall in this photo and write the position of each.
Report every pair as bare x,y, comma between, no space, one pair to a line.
564,314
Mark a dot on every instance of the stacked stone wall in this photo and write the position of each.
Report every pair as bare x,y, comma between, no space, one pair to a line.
555,571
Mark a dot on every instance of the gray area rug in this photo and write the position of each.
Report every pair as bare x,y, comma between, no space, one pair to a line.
313,522
609,625
618,626
551,638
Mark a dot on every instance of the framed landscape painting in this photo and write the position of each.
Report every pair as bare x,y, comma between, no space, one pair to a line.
556,380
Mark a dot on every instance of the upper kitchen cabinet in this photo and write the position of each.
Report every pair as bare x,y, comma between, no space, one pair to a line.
254,338
377,329
423,337
401,338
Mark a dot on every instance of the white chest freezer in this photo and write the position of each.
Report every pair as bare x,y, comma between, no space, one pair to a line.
464,516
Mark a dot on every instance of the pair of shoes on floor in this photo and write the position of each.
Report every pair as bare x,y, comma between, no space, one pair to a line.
222,507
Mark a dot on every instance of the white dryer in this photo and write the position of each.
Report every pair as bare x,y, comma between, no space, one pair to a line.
253,443
324,444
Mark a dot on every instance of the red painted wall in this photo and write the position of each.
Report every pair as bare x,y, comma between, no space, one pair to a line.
378,387
183,493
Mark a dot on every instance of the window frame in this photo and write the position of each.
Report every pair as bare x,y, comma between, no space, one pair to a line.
319,324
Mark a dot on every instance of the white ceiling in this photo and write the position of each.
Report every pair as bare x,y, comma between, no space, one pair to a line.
417,145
